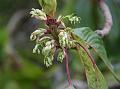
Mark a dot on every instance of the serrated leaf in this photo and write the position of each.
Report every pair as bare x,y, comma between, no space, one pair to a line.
95,78
93,40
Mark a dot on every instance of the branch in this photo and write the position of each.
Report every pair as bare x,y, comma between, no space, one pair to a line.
67,66
108,19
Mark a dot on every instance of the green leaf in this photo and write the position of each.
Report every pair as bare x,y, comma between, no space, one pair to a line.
93,40
48,6
95,78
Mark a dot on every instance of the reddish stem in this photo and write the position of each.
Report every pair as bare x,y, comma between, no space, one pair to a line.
91,58
48,31
67,66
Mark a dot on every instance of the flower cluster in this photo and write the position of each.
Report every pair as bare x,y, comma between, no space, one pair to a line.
54,38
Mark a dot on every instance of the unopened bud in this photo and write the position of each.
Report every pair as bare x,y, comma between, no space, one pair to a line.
38,13
60,56
36,49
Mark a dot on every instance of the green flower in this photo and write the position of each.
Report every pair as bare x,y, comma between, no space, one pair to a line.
63,39
48,52
38,14
61,55
36,49
55,37
37,33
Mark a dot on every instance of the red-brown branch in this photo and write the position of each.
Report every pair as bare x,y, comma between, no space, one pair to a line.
108,19
67,66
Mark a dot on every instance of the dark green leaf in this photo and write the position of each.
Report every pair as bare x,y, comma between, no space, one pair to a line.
95,78
93,40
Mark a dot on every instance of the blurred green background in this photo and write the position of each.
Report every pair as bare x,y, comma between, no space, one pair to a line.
20,69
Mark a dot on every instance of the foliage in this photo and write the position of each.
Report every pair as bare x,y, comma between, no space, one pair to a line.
57,36
29,79
48,6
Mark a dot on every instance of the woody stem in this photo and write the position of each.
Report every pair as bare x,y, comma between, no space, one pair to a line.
108,19
67,66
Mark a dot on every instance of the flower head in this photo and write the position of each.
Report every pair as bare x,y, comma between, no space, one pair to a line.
55,37
38,14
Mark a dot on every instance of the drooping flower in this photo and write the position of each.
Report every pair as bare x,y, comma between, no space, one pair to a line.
55,37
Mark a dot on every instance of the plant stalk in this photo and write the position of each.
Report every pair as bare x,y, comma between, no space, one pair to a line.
67,66
91,58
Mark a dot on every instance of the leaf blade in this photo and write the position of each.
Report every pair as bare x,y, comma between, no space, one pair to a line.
95,78
93,40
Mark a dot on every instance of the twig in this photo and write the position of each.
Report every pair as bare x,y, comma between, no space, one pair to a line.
108,19
67,66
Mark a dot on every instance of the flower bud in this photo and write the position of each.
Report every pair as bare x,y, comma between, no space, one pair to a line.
32,37
38,14
71,44
36,49
49,47
36,33
63,39
40,30
48,52
73,19
60,56
43,39
48,60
